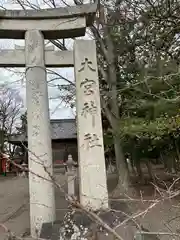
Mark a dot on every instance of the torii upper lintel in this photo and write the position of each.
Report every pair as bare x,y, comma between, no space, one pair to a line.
63,22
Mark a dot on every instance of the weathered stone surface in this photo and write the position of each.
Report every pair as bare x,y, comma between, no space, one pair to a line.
87,10
78,223
51,28
47,48
51,230
66,228
53,59
92,173
54,23
71,176
42,202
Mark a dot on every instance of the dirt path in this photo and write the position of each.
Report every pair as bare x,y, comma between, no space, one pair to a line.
14,210
14,204
14,207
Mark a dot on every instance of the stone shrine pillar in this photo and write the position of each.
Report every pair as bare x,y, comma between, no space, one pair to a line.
92,171
42,202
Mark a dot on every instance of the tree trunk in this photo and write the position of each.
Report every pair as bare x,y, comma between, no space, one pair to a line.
133,169
121,166
139,171
150,171
163,161
177,164
170,164
112,108
174,165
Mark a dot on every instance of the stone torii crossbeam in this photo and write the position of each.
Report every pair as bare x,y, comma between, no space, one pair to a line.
35,26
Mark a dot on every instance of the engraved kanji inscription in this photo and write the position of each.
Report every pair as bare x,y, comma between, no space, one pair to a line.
91,109
87,64
35,130
88,86
91,140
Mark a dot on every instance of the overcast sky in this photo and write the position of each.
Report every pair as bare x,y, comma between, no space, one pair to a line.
58,109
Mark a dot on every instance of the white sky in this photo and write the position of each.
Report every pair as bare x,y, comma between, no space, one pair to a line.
57,108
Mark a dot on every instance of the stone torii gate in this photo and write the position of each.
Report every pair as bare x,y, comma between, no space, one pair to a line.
35,26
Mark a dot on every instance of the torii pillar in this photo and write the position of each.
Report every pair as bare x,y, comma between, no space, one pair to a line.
36,26
42,200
